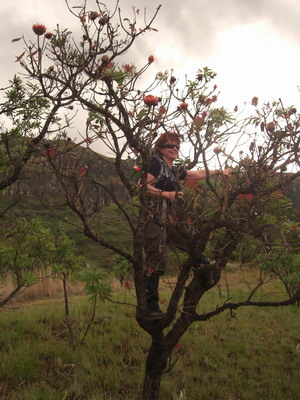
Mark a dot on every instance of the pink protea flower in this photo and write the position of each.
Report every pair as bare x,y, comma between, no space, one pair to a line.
39,29
247,197
128,68
51,152
198,122
109,66
150,100
83,170
254,101
48,35
127,284
105,59
295,230
183,106
271,127
162,110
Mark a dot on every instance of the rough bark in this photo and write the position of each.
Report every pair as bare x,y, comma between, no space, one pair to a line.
155,366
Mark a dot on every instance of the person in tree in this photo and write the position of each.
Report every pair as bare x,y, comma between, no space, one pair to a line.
163,185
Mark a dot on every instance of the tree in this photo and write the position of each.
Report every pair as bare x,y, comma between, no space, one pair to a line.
67,265
30,252
91,72
24,250
30,117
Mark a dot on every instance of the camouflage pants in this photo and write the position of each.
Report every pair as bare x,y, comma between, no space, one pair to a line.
156,237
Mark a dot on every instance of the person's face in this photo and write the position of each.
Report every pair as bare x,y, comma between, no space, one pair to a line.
170,150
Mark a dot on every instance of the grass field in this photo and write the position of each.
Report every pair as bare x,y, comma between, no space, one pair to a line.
253,354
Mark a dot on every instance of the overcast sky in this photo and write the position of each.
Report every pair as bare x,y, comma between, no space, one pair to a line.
253,45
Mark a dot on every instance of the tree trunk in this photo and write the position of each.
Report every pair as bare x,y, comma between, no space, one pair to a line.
12,294
155,366
67,314
151,387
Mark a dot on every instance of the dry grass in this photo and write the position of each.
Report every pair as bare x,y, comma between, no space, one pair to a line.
243,277
49,287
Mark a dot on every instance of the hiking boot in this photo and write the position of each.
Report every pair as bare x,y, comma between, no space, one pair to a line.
152,283
156,315
208,279
202,260
207,272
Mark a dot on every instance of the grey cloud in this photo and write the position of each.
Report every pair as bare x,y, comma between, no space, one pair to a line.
194,23
188,27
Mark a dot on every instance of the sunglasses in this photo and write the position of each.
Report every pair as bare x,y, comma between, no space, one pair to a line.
170,146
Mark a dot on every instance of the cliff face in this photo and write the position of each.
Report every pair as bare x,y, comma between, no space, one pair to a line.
77,165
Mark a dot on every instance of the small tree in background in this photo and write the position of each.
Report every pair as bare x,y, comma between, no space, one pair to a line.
31,253
69,266
25,253
27,118
127,115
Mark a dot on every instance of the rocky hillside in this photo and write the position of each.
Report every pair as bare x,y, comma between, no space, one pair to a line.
38,179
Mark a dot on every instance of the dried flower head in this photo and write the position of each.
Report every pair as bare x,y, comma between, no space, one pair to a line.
217,150
150,59
93,15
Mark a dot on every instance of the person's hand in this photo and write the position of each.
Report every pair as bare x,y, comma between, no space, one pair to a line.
226,171
172,195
